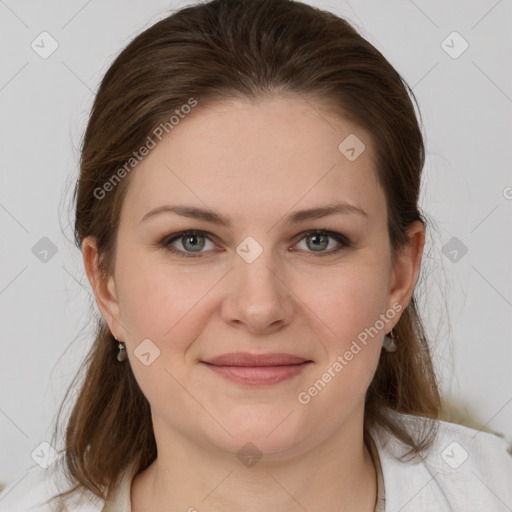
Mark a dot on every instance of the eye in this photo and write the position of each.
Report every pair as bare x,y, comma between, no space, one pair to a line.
189,240
192,242
318,241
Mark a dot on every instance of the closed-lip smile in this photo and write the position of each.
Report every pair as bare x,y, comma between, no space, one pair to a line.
257,369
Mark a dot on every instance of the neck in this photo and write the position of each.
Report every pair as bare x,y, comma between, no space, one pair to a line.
189,476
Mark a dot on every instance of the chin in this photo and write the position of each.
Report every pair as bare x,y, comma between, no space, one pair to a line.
272,438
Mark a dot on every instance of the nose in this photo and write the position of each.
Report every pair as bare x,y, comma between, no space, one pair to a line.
258,297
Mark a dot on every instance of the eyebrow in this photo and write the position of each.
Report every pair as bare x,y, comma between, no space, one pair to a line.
297,217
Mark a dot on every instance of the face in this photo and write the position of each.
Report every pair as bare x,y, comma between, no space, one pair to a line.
269,281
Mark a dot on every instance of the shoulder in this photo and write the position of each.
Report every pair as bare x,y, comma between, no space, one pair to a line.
464,469
33,487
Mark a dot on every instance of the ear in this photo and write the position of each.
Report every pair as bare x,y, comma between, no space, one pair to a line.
405,272
104,289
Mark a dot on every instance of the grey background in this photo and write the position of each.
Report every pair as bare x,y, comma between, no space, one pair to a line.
467,111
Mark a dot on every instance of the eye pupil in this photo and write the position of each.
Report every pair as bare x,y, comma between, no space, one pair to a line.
194,244
317,237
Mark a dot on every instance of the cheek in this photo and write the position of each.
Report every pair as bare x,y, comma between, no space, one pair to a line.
348,308
345,301
348,325
162,303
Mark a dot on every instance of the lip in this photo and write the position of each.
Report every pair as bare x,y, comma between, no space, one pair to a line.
248,359
257,369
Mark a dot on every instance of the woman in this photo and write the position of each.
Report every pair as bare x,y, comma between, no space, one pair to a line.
247,211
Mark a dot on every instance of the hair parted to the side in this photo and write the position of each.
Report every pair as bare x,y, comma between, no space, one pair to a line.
250,49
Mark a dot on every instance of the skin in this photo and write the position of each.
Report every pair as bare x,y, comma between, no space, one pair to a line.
255,163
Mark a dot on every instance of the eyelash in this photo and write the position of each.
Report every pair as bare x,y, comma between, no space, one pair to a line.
341,239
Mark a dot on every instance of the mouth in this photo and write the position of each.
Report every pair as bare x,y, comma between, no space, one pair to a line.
257,369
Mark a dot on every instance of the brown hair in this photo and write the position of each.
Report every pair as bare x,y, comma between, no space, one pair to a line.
213,51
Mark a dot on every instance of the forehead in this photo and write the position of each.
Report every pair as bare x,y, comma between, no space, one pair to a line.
249,155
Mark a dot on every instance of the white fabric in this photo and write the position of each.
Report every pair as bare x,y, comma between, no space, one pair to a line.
438,483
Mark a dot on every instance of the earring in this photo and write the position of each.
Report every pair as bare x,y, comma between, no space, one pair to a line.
389,342
121,355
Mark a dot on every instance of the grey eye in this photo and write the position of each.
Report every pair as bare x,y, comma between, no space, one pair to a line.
319,242
193,242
